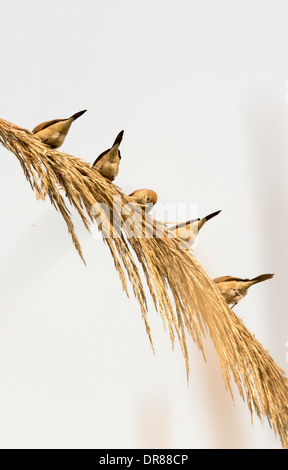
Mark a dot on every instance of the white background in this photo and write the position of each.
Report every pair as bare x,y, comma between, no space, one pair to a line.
200,89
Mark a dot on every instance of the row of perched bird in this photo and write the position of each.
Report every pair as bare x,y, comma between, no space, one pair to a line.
53,133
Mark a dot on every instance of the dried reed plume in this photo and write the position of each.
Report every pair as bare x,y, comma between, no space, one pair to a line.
182,292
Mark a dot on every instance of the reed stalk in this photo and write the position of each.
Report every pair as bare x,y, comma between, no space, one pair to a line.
182,292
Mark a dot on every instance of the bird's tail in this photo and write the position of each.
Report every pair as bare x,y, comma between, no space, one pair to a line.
261,278
118,138
208,217
77,115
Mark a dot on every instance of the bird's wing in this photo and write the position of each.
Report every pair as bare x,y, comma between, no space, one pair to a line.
45,124
228,278
101,155
183,224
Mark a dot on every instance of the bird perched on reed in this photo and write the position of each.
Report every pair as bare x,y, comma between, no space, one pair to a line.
234,289
189,230
108,161
144,197
53,133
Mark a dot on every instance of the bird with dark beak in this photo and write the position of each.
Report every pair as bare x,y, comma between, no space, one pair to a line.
233,289
188,231
108,161
53,133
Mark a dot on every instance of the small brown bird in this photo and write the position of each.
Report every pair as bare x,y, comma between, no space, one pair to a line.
234,289
108,161
143,197
53,133
189,230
